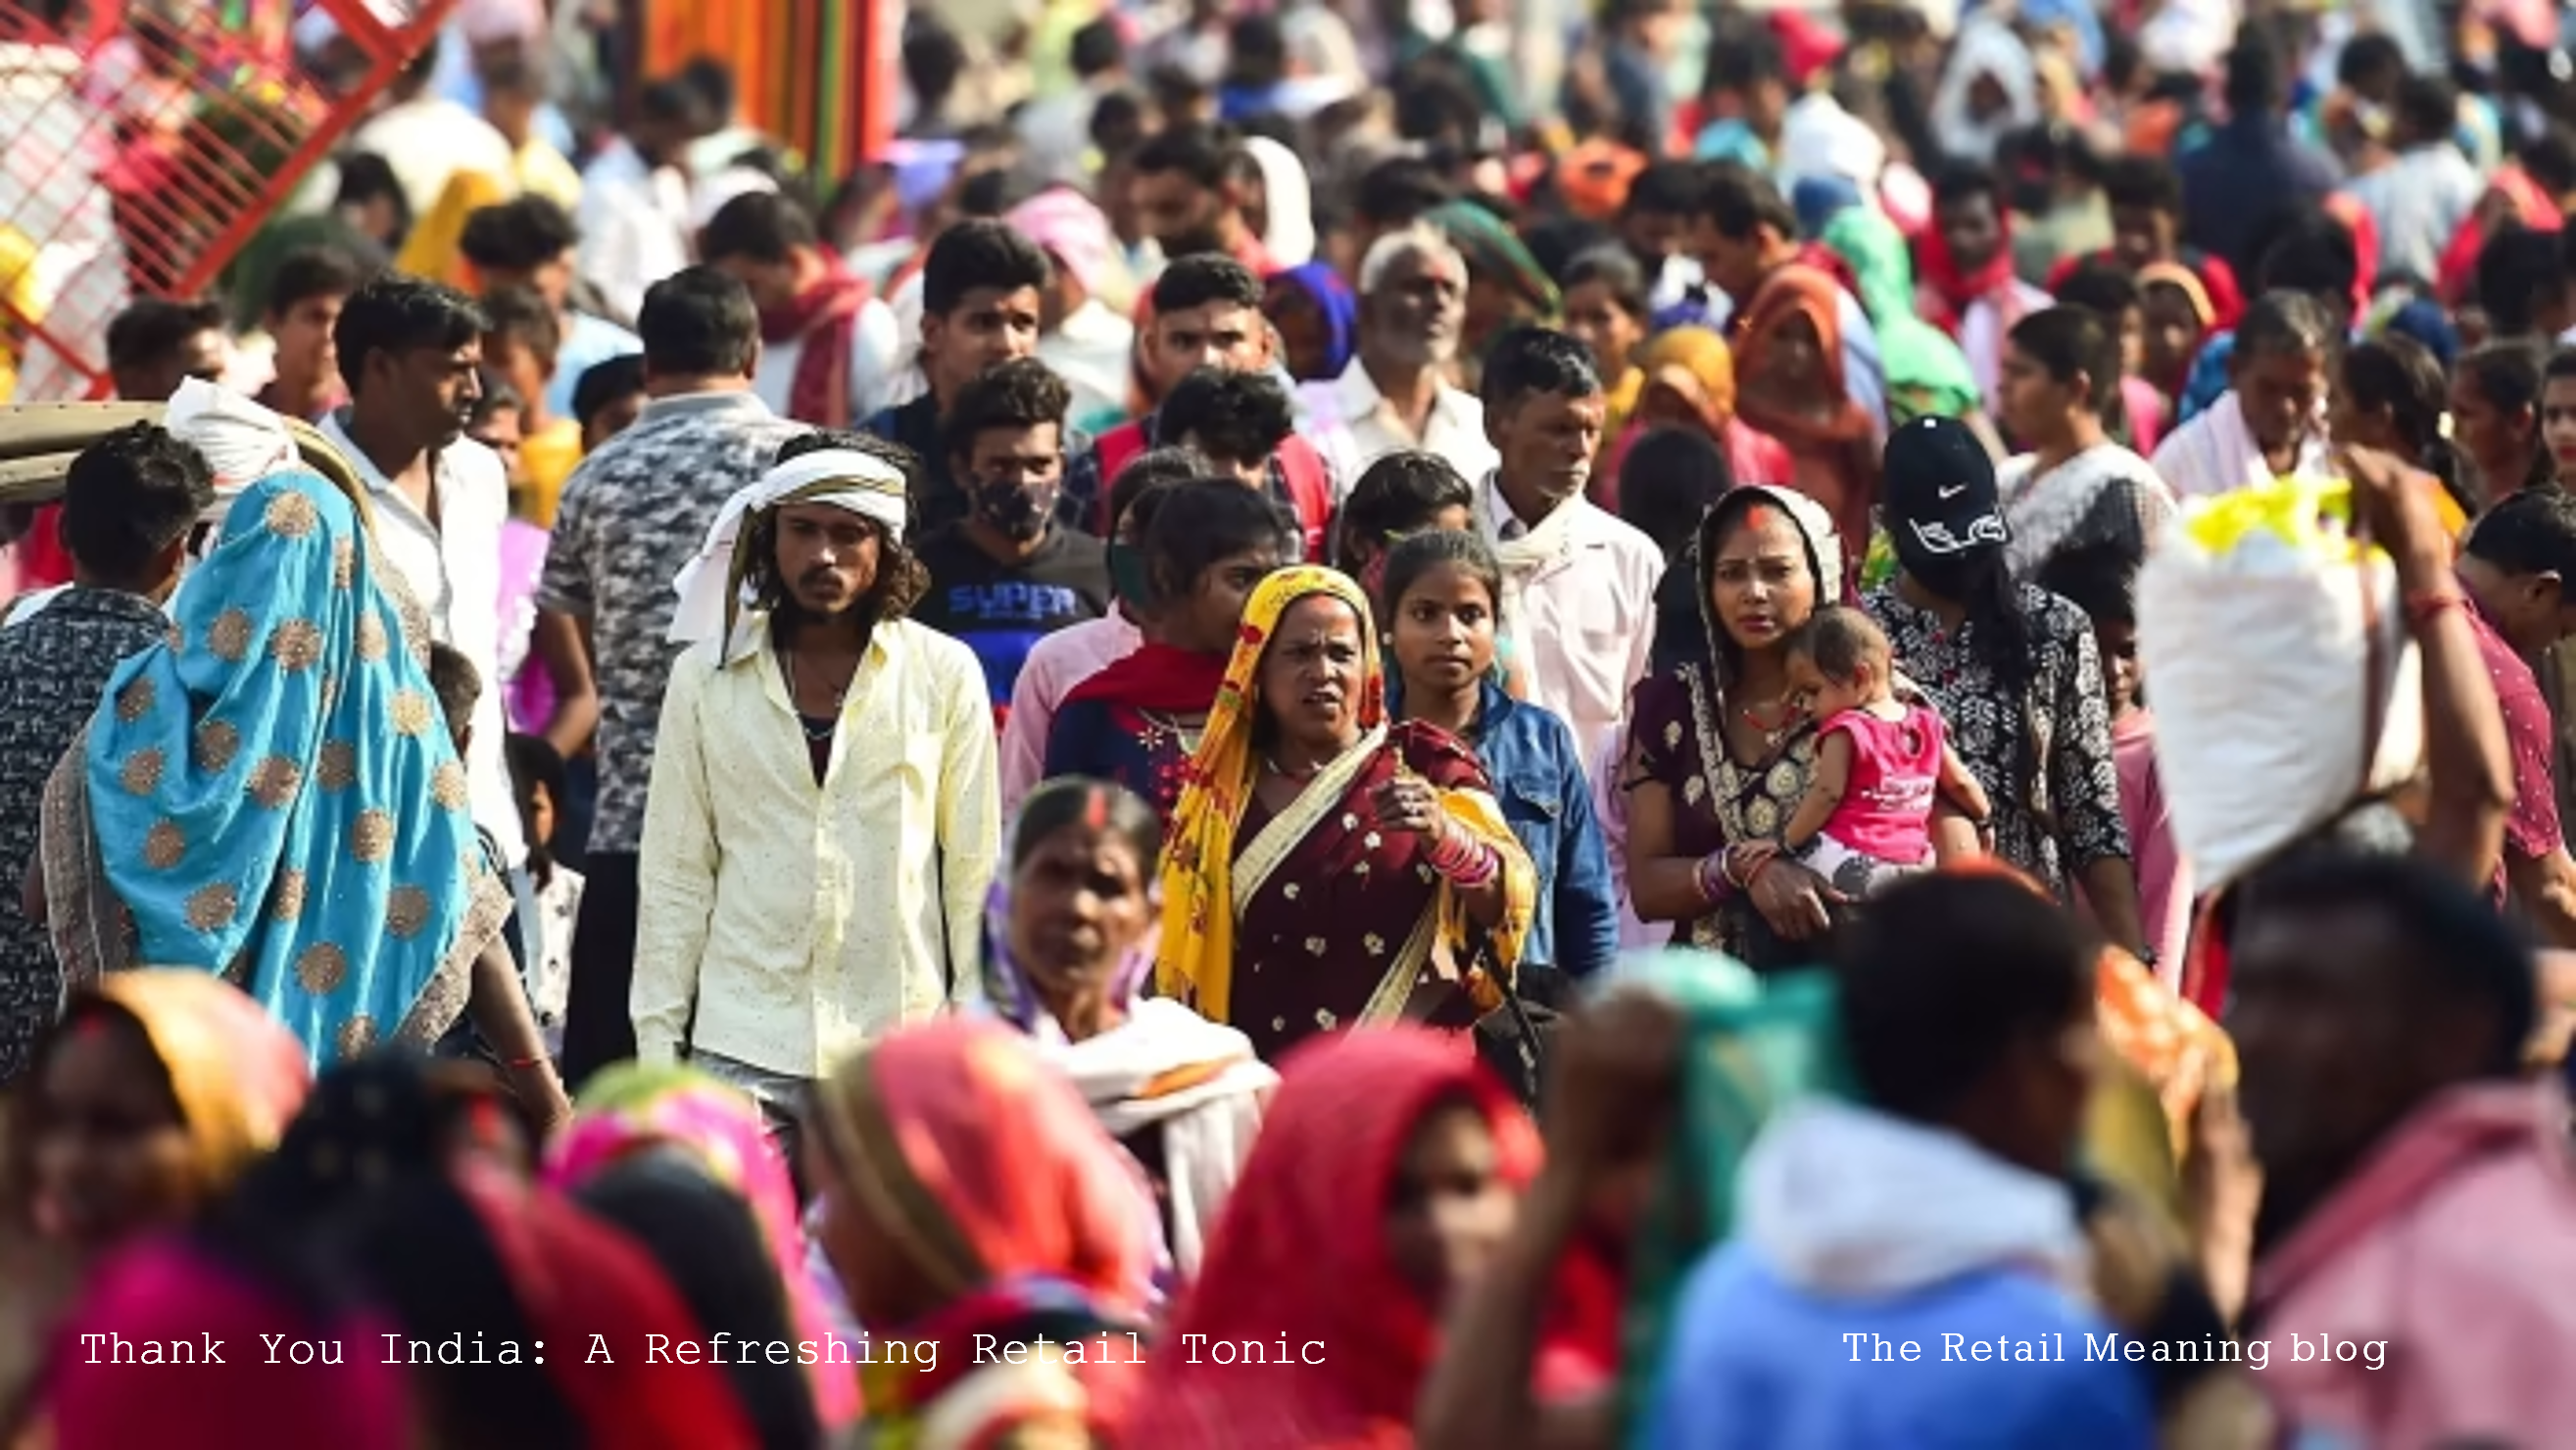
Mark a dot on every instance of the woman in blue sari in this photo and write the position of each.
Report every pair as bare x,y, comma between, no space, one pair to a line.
273,796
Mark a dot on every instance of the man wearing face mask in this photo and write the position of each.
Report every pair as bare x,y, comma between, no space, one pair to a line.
1006,574
979,306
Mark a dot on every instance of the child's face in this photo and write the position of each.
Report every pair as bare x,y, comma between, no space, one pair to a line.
2558,424
2118,641
1444,629
498,430
1827,697
541,816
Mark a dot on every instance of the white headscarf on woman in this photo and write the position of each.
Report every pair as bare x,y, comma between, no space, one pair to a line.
1987,47
1289,202
241,441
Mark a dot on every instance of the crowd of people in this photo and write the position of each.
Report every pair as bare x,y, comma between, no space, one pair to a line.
1881,742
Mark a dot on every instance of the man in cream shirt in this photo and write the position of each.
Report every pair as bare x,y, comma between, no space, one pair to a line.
824,817
1396,392
1578,604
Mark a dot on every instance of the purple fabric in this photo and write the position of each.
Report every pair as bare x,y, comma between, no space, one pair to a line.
529,694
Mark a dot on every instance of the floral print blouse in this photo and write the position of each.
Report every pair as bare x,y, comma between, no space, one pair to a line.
2068,816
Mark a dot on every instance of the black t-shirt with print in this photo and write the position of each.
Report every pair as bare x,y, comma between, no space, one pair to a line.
1002,610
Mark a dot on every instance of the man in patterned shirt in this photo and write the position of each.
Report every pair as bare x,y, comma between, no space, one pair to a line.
633,513
128,505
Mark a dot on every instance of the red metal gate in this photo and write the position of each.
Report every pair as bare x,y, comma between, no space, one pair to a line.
137,157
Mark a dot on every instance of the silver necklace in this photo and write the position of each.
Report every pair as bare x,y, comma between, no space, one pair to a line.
812,735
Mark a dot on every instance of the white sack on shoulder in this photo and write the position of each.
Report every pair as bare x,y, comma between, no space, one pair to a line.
2259,671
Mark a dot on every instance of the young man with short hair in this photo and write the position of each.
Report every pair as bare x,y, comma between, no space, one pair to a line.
1968,288
808,890
305,295
981,289
2145,198
831,350
2414,1178
608,399
1187,197
634,212
411,352
155,344
1402,494
1236,421
532,242
1936,1197
1578,584
1206,313
151,347
522,346
129,502
1006,574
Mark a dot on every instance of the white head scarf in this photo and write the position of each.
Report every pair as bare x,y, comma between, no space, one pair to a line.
710,585
1986,47
1290,238
241,441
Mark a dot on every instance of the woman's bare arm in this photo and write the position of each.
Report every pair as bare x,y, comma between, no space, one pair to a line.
499,1007
2471,787
1662,886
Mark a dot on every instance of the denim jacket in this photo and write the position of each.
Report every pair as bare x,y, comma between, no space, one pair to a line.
1538,777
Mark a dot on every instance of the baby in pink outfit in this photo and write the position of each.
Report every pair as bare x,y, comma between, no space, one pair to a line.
1881,762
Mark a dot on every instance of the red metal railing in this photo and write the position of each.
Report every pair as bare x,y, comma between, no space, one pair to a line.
139,157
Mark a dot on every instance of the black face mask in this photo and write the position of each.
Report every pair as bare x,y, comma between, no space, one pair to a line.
1019,510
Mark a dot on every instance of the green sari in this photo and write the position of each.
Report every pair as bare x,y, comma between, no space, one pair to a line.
1927,375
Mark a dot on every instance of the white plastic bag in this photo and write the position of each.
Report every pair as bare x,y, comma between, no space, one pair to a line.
2284,683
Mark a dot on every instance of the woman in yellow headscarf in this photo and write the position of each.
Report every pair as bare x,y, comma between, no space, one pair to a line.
149,1098
1686,380
1325,868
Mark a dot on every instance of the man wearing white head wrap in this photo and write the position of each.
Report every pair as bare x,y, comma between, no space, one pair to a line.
824,819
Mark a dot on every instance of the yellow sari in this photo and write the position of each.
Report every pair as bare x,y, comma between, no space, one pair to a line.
1209,885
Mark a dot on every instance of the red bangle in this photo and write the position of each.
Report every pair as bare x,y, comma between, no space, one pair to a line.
522,1064
2423,606
1714,885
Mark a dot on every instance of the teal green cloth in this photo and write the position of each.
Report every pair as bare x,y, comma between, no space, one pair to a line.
245,283
1927,375
1752,1044
1493,251
274,793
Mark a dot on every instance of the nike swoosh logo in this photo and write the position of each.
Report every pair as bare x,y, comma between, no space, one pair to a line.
1954,490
